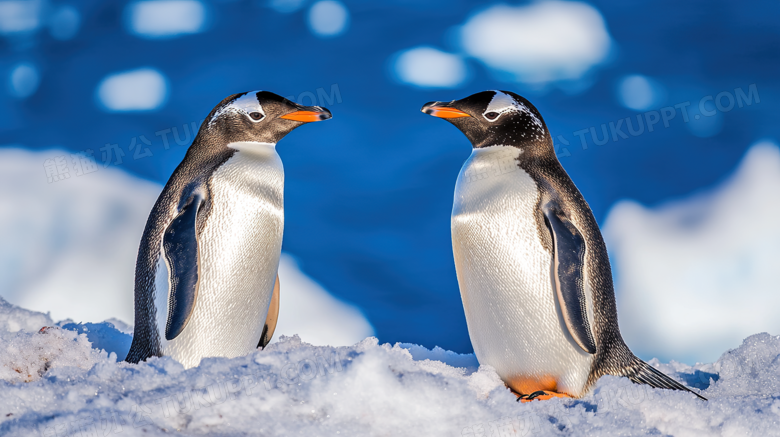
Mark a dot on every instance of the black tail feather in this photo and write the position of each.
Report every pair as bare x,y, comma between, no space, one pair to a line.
643,373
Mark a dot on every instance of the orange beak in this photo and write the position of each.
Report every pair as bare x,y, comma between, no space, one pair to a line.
307,116
443,111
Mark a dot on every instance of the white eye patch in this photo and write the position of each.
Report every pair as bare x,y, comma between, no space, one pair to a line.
245,105
503,103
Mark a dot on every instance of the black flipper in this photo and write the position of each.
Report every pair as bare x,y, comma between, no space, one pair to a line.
642,373
568,267
180,245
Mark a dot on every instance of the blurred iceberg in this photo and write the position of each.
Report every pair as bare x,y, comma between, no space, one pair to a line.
165,18
639,92
538,43
706,266
428,67
70,246
69,249
24,80
20,16
136,90
328,18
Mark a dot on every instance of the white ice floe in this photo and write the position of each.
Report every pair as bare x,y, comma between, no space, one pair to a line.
328,18
639,92
538,43
428,67
55,384
165,18
697,275
24,80
20,16
143,89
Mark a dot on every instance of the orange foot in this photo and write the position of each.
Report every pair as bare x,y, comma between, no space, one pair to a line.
541,395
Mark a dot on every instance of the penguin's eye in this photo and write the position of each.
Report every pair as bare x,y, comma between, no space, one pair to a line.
492,116
256,116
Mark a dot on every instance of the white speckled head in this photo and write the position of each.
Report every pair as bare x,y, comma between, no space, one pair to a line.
247,105
503,103
494,117
259,116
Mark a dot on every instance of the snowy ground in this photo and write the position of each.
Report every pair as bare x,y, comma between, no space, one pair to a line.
54,383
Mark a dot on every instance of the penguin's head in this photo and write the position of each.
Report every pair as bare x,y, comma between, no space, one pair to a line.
493,118
260,116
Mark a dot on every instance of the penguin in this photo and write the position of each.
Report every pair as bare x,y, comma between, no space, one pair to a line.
206,282
532,267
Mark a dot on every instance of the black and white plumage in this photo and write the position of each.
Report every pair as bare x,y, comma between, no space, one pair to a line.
532,266
206,276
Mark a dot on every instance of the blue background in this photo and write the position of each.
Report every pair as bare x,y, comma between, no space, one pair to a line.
369,193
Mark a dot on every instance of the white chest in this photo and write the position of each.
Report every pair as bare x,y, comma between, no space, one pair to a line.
239,252
504,276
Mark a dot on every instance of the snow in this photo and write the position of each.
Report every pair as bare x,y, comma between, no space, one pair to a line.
13,318
428,67
54,383
328,18
142,89
166,18
70,249
540,42
707,262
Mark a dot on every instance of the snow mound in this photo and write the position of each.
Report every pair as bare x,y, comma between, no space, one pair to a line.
70,245
104,336
708,262
26,356
55,384
13,318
